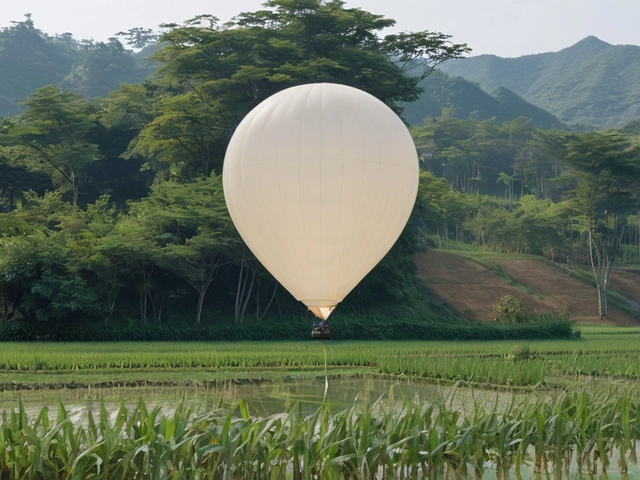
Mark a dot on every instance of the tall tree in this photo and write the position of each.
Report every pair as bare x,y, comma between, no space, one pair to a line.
130,249
211,75
607,166
103,67
54,135
193,228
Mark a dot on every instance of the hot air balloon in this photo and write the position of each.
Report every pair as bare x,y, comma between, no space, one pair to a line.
320,180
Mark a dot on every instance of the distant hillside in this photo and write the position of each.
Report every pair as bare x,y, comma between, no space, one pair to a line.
590,82
470,101
30,59
473,290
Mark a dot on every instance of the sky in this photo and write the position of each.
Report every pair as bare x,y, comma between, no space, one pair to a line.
507,28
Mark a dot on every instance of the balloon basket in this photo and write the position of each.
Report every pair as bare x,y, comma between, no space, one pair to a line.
321,334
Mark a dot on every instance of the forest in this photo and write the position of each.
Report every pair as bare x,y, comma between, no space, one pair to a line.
112,213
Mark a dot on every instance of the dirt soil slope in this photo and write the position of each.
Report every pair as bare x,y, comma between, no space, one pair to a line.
628,284
473,290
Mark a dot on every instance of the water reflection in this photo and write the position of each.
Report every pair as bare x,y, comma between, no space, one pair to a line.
270,398
263,399
341,394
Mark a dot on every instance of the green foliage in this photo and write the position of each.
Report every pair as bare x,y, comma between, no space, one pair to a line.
53,136
350,326
608,167
137,221
30,61
160,250
510,309
192,224
103,68
520,353
139,38
577,199
212,76
473,154
36,283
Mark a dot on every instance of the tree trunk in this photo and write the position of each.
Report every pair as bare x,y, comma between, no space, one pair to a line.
143,313
202,289
600,257
273,295
74,188
595,260
605,275
248,295
159,319
75,196
5,315
200,303
239,289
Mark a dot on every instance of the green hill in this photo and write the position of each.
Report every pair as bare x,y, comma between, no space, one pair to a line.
591,82
470,101
30,59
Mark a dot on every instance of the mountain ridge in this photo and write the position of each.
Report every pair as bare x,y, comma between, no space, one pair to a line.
591,82
469,100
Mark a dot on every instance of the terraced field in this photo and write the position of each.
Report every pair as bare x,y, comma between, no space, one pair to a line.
473,289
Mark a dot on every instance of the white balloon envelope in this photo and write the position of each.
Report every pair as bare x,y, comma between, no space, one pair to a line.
320,181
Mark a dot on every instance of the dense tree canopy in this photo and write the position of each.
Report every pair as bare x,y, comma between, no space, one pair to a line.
112,210
212,76
122,210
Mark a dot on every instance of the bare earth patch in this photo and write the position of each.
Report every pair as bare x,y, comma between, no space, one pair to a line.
468,287
628,284
473,290
562,291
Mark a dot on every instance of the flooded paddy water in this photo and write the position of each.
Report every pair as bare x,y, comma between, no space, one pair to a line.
264,398
356,374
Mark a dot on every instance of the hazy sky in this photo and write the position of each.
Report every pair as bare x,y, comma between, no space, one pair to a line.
503,27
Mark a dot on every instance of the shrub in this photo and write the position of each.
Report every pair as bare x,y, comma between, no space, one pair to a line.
519,353
510,309
345,327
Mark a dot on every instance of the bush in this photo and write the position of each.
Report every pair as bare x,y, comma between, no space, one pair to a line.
17,331
519,353
510,309
342,328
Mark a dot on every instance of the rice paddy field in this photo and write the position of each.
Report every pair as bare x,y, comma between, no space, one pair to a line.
611,353
552,409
